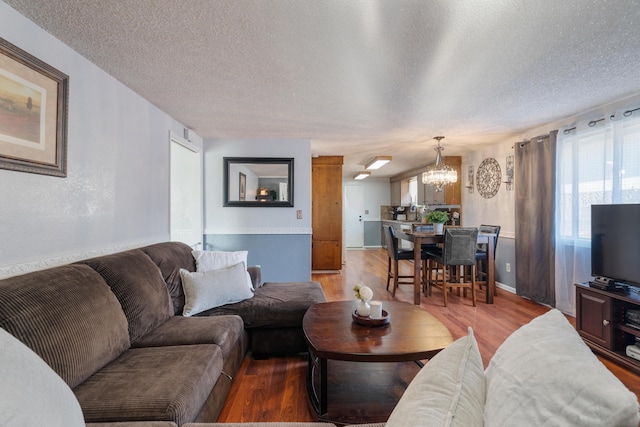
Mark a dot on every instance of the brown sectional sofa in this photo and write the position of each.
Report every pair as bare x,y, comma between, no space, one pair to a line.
111,328
273,317
543,374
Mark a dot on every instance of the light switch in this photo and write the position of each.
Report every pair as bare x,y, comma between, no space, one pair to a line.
299,214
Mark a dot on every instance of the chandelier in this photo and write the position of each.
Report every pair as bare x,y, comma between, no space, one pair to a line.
439,174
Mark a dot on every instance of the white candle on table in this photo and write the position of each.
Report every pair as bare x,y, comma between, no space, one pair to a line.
376,310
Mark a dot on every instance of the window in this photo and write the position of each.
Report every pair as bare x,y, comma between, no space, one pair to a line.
600,166
594,165
413,190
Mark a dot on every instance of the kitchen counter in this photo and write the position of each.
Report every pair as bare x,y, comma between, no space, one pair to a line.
401,221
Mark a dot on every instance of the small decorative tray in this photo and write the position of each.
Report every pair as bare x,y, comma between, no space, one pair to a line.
368,321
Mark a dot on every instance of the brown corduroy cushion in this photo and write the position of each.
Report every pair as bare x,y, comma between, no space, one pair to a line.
170,257
137,283
68,316
153,384
224,331
274,305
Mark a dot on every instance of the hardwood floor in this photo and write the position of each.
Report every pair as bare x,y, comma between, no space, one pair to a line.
274,389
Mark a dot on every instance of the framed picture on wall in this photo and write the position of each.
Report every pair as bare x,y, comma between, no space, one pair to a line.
243,186
33,114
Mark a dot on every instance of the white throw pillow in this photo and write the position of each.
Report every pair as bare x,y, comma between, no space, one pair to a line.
215,260
448,391
209,289
545,375
31,393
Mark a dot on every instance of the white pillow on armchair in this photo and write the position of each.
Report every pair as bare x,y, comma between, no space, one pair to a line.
544,374
449,391
31,393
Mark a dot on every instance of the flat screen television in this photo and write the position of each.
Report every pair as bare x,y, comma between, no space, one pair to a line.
615,243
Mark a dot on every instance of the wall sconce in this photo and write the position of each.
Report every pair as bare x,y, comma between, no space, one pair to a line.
470,179
509,173
377,162
361,175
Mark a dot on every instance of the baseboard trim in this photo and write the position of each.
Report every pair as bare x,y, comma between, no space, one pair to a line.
505,287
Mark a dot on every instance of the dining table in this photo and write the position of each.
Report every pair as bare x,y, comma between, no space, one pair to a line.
429,237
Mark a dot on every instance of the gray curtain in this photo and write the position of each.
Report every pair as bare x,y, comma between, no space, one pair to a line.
535,163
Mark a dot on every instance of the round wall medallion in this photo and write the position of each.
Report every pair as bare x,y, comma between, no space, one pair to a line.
488,178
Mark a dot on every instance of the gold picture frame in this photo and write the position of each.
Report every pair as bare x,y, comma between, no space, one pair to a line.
33,114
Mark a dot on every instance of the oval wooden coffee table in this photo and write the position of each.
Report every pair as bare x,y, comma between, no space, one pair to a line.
411,335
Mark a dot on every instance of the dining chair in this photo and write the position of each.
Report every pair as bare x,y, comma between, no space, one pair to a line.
458,251
482,254
428,269
396,255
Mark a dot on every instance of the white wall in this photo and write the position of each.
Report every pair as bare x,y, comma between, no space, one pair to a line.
273,236
116,193
376,193
497,210
259,220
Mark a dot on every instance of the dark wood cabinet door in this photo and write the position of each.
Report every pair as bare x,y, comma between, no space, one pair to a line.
593,320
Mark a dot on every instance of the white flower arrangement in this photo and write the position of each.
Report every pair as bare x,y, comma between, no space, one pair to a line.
363,292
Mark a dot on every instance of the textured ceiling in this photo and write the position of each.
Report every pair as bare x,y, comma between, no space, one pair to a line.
359,78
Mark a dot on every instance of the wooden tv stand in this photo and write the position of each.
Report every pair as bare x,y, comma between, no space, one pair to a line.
601,324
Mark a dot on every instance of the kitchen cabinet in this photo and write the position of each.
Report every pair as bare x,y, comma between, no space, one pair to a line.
427,194
421,191
396,193
326,213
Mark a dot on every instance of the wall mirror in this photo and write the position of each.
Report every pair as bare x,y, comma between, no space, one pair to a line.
258,181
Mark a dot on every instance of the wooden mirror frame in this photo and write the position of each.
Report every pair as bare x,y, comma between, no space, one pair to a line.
241,166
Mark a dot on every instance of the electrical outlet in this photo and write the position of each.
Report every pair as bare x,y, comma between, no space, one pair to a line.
508,267
299,214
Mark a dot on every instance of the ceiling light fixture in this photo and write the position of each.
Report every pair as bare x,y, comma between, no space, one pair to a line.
378,162
439,174
361,175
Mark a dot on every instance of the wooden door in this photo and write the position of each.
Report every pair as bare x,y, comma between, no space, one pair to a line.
326,213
